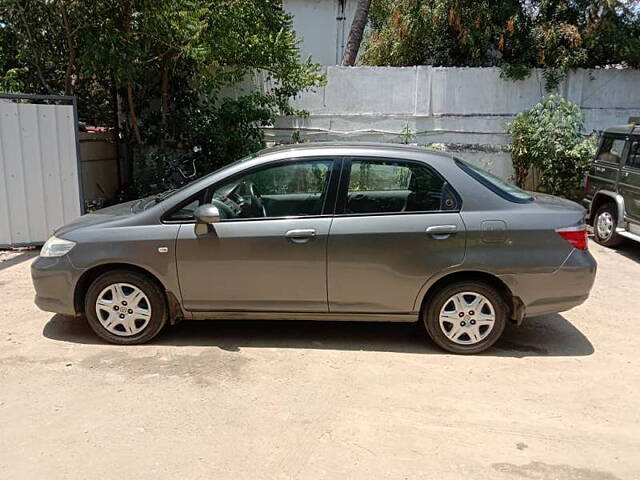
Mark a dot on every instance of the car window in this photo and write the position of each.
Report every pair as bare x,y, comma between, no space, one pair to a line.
296,178
611,150
501,187
293,189
185,212
634,155
394,186
370,176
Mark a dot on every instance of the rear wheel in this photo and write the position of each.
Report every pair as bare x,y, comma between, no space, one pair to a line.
125,307
466,317
604,226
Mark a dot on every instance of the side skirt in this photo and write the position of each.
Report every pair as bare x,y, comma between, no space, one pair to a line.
332,317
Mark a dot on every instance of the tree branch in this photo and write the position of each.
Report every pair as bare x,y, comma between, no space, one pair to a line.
35,62
71,63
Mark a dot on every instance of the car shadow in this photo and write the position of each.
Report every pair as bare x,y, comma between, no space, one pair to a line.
629,249
21,257
551,335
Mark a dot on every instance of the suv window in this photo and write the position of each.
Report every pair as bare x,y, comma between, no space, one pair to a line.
611,150
634,155
392,186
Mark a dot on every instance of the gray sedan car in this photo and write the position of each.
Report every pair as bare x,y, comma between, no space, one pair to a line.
329,231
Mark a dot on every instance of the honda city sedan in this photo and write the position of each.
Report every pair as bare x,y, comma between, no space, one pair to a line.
327,231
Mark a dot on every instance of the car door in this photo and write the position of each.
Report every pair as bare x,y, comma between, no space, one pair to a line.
271,260
397,223
629,186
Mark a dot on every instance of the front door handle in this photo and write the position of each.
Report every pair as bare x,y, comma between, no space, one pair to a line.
301,235
440,232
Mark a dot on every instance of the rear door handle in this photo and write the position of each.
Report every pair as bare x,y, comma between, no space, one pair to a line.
441,232
301,235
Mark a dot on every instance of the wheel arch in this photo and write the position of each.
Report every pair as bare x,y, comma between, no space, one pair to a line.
603,197
87,278
514,303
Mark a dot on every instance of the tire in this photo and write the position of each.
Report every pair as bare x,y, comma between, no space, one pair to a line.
604,226
473,331
132,308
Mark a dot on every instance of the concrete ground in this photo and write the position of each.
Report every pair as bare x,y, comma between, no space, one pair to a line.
558,398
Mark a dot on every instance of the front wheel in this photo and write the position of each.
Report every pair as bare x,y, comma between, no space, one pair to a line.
604,226
466,317
125,307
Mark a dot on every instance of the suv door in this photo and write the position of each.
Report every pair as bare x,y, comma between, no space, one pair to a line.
273,259
603,173
629,186
397,223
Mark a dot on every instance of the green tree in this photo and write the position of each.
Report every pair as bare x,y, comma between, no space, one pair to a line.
516,35
444,32
170,71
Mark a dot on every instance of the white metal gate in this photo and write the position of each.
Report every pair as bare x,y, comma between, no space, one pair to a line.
39,167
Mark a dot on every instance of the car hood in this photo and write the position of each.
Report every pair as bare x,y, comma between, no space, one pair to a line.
104,215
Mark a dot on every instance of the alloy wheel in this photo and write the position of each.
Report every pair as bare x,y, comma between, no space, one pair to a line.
123,309
467,318
604,225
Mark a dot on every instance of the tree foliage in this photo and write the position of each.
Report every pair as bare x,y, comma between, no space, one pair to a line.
515,34
548,137
170,71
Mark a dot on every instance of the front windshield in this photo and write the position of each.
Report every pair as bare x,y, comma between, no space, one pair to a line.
501,187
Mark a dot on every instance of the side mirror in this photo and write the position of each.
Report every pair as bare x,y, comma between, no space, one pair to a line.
207,214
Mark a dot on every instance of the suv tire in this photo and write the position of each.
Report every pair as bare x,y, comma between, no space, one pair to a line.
457,326
125,307
604,226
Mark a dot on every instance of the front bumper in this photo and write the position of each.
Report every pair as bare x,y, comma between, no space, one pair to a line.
546,293
54,280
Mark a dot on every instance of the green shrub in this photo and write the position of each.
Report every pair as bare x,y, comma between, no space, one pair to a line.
548,137
210,136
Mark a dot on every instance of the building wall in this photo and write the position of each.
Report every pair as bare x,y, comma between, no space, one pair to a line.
98,166
323,27
467,108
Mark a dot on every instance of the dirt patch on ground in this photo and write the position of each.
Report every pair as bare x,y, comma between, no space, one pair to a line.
555,399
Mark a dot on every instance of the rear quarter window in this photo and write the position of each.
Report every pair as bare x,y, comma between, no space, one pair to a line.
504,189
634,155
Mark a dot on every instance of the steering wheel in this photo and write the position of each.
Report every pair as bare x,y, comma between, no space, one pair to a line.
248,198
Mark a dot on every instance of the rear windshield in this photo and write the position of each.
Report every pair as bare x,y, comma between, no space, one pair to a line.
505,189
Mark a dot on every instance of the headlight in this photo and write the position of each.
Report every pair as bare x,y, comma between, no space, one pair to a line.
56,247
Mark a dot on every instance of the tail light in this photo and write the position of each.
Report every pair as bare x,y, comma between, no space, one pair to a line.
576,236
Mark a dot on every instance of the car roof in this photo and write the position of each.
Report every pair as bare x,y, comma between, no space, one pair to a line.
353,146
628,129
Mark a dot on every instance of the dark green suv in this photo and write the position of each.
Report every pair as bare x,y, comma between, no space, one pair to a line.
612,186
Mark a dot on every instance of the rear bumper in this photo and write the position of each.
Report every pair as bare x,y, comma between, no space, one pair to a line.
54,282
546,293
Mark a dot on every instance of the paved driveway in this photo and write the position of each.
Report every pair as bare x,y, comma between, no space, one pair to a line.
557,399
